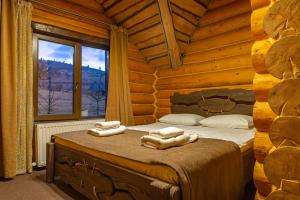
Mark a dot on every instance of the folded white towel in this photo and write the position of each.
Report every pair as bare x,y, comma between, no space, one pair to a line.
109,132
108,125
158,143
166,133
193,138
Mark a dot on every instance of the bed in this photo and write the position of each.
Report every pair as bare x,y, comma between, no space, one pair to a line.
242,137
119,168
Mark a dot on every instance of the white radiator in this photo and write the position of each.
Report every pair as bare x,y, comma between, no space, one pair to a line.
44,131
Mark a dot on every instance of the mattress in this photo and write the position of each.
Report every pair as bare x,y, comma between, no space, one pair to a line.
243,138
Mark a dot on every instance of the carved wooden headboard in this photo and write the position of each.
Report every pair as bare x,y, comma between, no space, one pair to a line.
214,102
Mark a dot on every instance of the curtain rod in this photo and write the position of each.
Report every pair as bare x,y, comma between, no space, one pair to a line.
64,11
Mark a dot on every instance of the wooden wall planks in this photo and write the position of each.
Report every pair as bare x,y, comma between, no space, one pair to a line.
71,16
233,8
141,81
219,55
69,23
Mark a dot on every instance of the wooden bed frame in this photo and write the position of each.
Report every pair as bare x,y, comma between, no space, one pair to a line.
214,102
98,179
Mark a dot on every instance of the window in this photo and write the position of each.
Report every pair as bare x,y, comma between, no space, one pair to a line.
94,78
70,79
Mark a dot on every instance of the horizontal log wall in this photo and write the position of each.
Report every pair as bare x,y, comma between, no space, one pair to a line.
88,24
141,81
218,56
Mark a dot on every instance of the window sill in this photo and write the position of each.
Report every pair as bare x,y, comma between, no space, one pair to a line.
87,120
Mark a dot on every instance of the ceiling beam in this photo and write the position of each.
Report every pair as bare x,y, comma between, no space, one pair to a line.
191,6
167,22
90,4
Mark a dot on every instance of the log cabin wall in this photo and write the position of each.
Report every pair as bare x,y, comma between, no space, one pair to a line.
141,81
218,55
72,17
262,83
141,74
275,54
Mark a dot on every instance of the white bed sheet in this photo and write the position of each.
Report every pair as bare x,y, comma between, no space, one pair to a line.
242,137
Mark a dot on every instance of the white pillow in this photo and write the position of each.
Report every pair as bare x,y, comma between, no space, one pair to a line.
181,119
228,121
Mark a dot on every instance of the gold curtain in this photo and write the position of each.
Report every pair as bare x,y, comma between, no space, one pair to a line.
8,89
118,99
16,108
24,88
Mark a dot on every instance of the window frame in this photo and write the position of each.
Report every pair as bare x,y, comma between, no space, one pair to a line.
77,76
97,46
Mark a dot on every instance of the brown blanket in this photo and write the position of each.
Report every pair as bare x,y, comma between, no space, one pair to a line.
209,169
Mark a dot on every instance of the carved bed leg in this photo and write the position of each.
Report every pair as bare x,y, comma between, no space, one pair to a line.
50,163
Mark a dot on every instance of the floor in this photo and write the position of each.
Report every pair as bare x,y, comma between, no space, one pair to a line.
33,187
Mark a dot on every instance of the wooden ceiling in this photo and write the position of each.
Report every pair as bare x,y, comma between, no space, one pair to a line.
160,29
